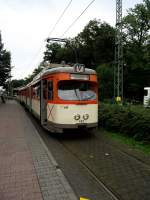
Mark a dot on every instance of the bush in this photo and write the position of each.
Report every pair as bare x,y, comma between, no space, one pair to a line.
129,120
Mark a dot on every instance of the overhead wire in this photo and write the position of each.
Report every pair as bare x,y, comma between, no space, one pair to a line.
62,14
70,26
77,18
60,18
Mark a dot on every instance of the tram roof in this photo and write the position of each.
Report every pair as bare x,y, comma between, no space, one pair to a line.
66,69
57,68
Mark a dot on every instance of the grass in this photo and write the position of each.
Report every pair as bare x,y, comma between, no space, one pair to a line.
126,118
145,148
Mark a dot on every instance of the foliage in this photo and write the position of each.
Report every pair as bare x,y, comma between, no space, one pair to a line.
131,142
100,38
17,83
26,80
34,73
137,23
136,27
105,77
5,66
93,46
51,51
128,120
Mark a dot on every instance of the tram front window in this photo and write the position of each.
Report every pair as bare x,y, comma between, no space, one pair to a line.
77,90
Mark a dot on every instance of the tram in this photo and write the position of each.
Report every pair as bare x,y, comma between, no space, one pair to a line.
63,97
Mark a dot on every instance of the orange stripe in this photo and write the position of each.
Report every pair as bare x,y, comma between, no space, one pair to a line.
72,102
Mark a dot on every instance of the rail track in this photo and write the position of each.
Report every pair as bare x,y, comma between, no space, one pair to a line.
90,165
112,194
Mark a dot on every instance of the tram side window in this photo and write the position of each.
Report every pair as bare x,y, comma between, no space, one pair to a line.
36,91
45,89
50,90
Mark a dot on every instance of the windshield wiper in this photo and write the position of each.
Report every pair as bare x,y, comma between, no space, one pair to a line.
77,95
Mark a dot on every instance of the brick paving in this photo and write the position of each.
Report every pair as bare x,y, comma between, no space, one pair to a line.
27,169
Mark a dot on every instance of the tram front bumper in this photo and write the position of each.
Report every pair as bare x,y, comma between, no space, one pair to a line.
54,127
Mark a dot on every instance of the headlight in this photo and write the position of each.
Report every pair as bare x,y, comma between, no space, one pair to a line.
77,117
85,117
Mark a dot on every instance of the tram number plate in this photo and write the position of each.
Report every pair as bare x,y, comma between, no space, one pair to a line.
81,121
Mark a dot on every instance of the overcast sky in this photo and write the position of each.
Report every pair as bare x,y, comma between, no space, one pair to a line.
26,24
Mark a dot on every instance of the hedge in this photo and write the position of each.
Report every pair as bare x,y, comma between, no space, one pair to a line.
129,120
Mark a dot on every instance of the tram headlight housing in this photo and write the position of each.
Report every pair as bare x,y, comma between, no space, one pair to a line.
77,117
85,116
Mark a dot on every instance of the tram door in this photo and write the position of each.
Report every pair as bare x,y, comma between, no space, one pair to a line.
43,102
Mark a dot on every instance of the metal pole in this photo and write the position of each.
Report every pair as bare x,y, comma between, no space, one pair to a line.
118,68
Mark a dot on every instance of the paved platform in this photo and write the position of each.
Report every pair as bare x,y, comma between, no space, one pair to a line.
28,170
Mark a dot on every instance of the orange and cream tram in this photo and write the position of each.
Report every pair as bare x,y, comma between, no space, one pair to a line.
63,97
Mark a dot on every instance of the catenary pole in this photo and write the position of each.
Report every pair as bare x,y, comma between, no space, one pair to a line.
118,67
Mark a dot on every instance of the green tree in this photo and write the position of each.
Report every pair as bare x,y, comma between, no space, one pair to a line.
17,83
51,51
136,29
5,66
96,43
136,24
105,77
93,46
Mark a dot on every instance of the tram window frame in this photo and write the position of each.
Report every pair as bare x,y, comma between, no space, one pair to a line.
45,89
36,91
50,90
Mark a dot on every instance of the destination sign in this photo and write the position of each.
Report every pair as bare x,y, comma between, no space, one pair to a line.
80,76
